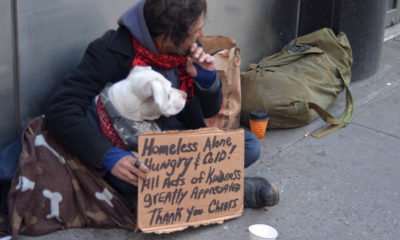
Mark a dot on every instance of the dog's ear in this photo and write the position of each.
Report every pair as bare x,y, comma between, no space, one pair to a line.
160,95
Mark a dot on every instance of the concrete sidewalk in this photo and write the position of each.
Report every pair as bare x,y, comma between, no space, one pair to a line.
343,186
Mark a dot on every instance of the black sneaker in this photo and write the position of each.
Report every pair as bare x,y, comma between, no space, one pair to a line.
259,193
4,224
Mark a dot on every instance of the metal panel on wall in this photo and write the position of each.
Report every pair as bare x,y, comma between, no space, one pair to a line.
260,27
52,36
7,91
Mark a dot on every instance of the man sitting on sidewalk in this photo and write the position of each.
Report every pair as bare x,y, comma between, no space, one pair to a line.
162,34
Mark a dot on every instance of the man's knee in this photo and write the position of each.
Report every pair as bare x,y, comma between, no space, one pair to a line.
252,150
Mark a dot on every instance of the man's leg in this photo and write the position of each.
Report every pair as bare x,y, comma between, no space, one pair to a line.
124,188
9,159
258,191
252,148
128,191
4,225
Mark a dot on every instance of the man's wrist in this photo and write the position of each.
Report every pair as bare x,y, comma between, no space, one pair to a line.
204,77
113,156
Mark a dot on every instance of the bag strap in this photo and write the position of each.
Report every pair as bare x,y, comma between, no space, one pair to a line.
287,57
336,123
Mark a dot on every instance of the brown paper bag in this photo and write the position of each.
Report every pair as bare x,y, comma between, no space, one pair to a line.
228,69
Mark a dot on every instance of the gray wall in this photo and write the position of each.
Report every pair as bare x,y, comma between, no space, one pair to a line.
52,35
260,27
8,106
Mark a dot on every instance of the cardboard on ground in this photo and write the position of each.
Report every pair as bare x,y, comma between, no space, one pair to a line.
196,178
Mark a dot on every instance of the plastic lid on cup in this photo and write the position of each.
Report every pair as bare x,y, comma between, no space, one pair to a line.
259,115
263,231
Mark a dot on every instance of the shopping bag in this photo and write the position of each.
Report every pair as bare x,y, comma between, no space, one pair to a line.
227,57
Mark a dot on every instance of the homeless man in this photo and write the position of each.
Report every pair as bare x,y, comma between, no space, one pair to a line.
162,34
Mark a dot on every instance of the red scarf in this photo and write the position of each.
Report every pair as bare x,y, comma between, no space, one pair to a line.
106,125
144,57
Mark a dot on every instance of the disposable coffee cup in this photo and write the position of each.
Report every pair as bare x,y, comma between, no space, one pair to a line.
258,123
262,232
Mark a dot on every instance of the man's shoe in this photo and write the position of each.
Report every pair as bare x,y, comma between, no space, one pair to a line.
259,193
4,224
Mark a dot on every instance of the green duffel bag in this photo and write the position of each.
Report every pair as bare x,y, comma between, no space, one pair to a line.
300,82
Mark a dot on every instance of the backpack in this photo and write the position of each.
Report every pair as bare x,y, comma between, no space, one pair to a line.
298,84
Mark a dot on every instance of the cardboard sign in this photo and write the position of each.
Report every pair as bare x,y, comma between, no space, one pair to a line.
196,178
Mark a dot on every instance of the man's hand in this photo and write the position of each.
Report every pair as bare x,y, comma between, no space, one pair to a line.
126,170
197,55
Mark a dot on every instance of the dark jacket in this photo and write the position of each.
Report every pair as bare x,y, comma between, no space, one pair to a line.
108,60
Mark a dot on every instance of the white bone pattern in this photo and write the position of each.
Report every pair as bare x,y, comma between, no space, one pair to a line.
55,199
40,141
106,196
24,184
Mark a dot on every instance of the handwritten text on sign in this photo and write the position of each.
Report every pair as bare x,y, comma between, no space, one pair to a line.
196,178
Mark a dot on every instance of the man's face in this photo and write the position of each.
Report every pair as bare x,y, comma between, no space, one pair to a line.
195,32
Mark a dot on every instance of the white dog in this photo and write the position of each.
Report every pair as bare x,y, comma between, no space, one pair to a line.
146,95
134,102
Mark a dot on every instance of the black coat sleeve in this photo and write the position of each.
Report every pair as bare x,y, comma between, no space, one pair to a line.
66,118
210,101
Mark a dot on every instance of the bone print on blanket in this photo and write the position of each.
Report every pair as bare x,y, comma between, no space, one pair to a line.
52,190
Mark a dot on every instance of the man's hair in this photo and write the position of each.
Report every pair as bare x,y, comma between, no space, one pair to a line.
173,18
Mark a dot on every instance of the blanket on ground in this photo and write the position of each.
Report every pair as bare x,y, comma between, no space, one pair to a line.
51,190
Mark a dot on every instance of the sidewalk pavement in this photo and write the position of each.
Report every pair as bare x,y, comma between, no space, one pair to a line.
343,186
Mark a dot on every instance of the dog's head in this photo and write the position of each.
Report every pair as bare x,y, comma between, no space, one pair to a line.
148,95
